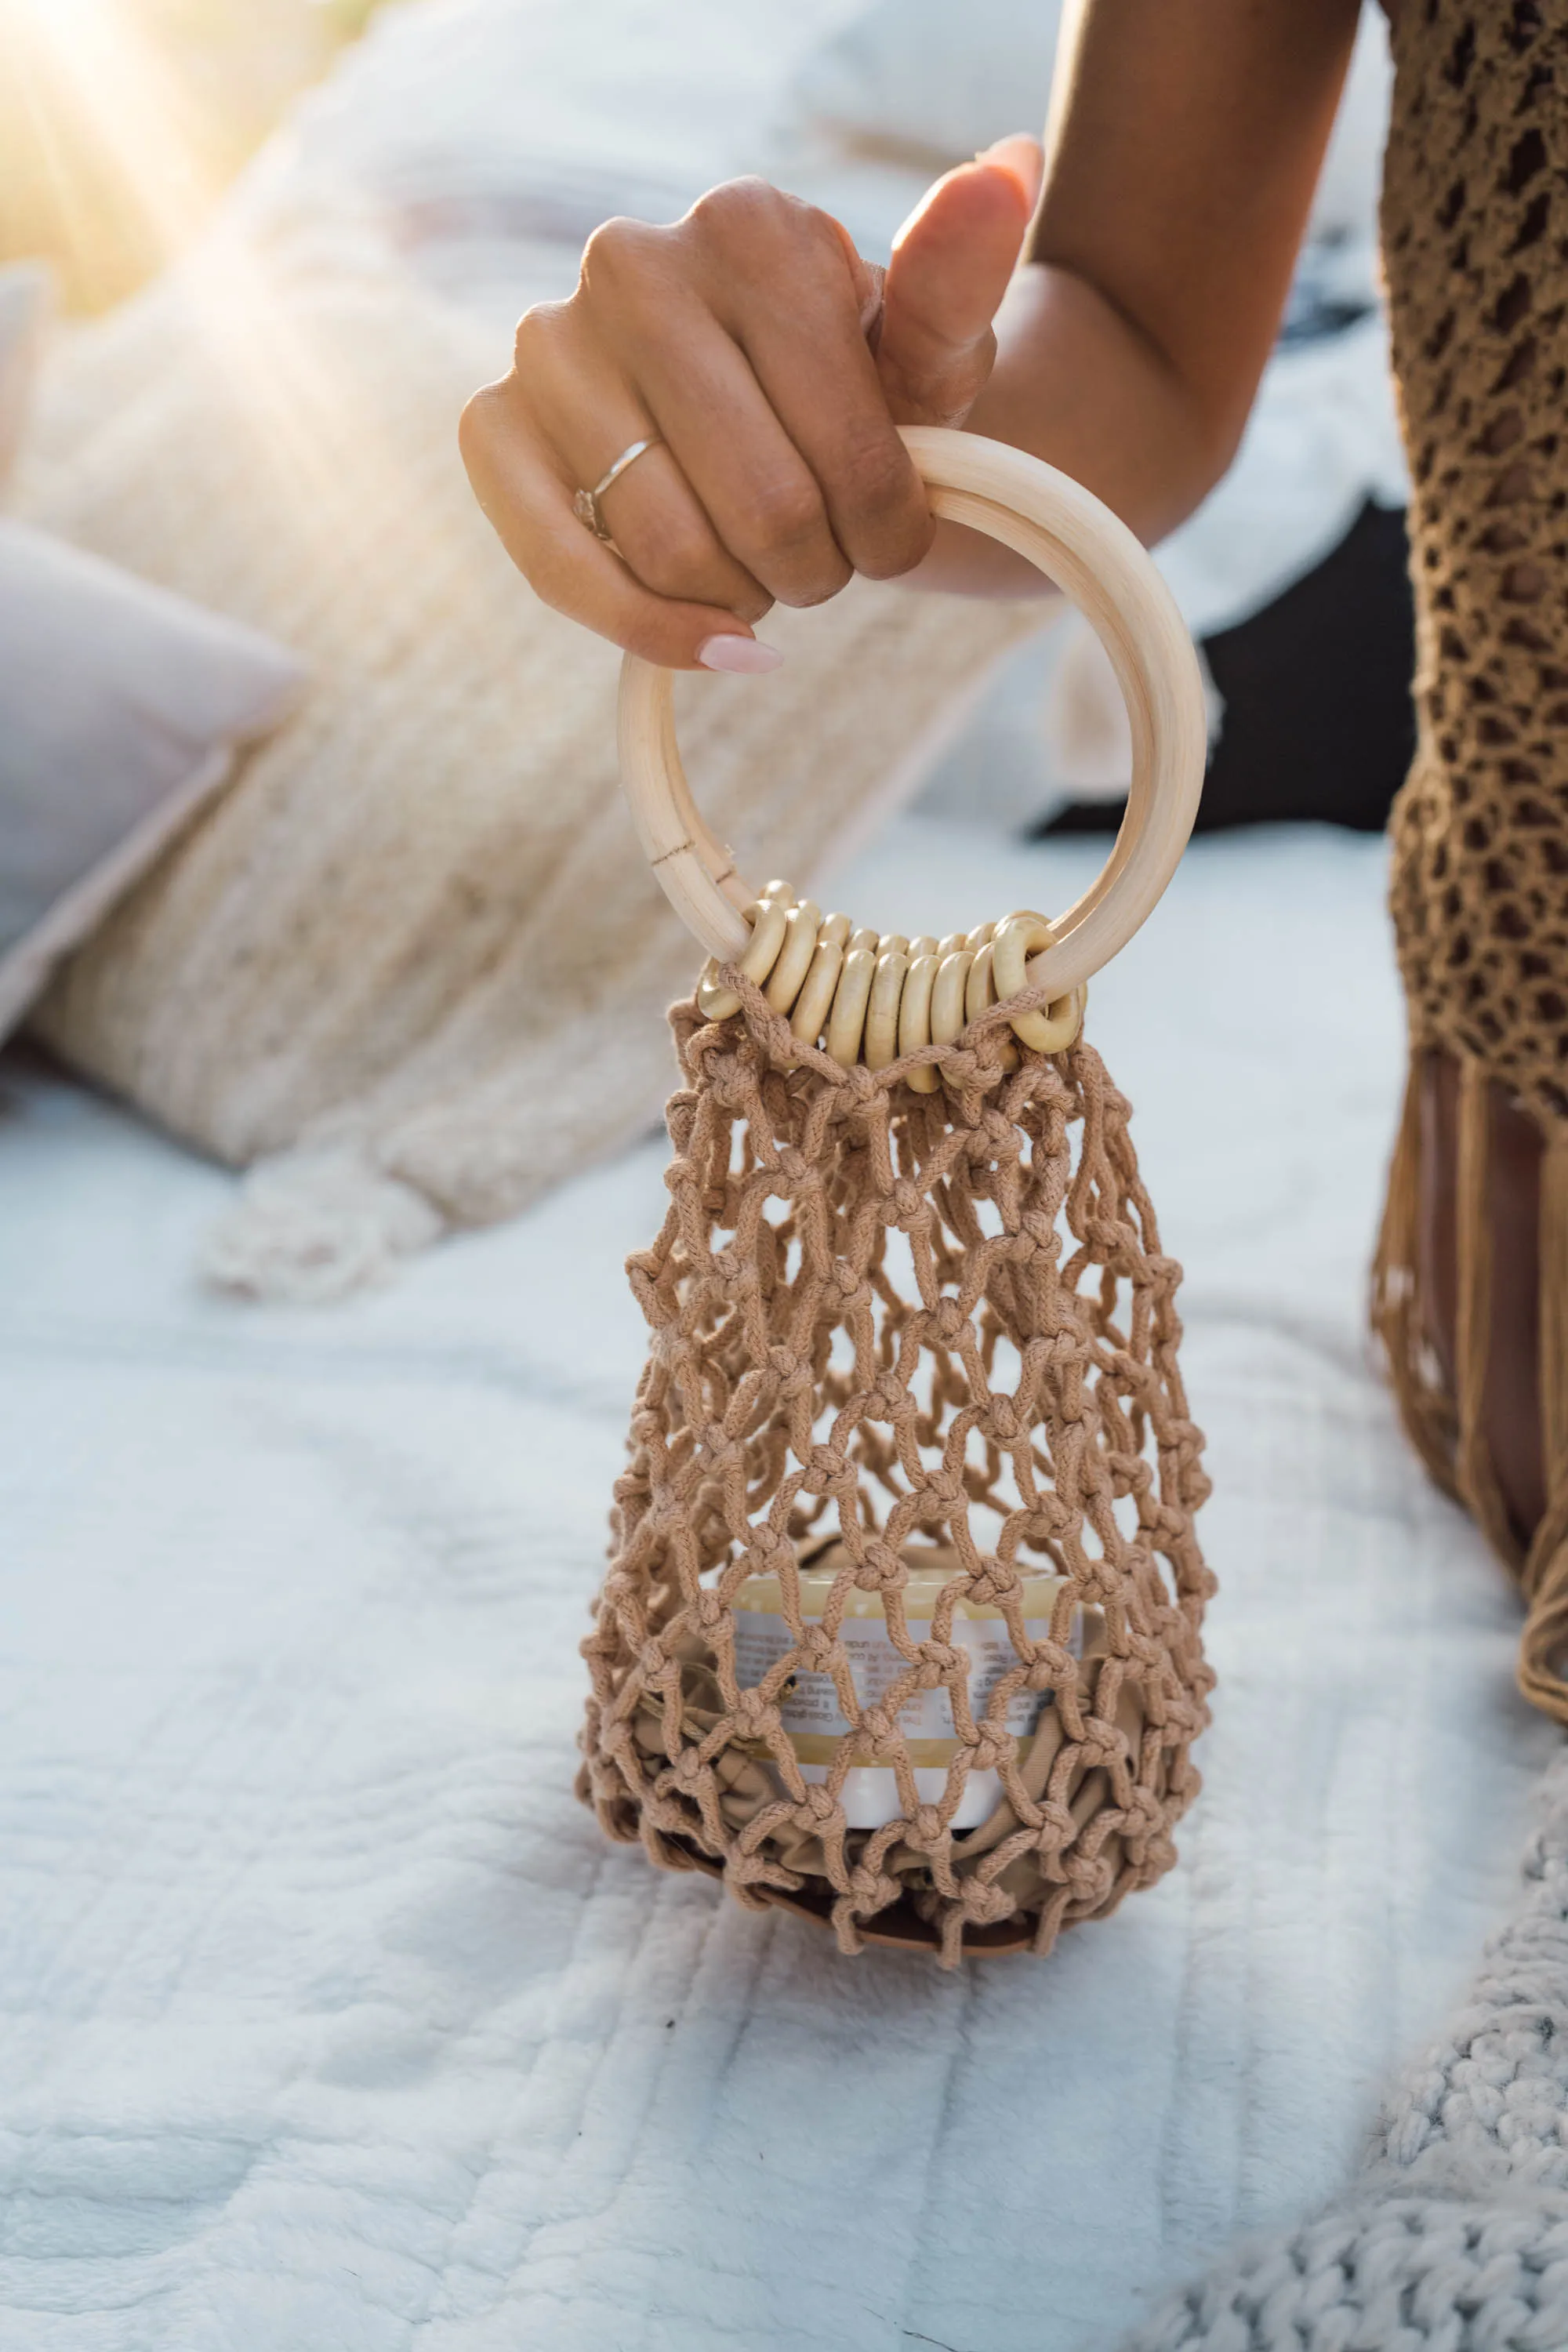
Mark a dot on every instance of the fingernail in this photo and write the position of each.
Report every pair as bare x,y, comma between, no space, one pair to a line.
1020,156
745,656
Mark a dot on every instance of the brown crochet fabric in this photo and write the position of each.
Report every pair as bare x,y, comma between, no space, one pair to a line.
1476,246
903,1320
1475,224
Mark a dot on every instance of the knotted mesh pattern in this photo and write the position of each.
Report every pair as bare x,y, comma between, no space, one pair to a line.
886,1322
1475,220
1475,223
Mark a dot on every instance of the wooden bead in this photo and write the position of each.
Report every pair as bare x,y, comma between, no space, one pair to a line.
979,937
835,931
795,956
815,1002
980,994
847,1022
1064,1020
867,941
769,918
947,996
924,946
915,1018
892,943
882,1009
717,1002
1019,938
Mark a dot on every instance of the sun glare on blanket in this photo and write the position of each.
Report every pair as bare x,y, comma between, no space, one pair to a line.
103,159
64,20
121,122
67,20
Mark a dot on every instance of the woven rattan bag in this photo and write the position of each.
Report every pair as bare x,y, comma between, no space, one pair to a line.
902,1624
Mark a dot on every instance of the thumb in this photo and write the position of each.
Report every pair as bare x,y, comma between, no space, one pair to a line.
952,262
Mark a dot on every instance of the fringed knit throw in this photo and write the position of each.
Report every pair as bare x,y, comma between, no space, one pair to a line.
1475,235
1455,2238
891,1326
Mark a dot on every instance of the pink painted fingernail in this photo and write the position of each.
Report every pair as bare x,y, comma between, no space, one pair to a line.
745,656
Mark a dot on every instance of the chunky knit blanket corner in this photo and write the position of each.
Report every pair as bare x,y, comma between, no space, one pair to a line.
1455,2239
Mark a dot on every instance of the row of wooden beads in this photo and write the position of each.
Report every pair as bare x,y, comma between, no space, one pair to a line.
876,995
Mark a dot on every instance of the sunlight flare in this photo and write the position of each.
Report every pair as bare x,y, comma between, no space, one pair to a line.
92,85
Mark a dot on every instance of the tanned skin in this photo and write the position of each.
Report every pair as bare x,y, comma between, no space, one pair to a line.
1184,141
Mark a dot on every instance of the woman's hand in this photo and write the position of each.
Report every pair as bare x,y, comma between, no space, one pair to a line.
774,364
1185,137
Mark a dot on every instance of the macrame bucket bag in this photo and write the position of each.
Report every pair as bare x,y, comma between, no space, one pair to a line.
901,1628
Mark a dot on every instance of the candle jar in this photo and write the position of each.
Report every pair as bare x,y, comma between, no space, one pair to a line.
811,1704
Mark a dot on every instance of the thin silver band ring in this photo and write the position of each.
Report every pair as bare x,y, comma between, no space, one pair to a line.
585,504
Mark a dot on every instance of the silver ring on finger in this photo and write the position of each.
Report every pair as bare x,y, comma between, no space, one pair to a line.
585,503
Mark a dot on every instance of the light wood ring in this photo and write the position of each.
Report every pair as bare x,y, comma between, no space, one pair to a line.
1016,939
1096,560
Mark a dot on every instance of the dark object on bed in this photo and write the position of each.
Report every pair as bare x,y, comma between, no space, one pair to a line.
1318,722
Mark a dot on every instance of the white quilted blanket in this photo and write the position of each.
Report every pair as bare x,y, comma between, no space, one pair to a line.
333,2024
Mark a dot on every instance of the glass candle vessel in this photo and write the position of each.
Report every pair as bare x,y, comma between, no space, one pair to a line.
810,1706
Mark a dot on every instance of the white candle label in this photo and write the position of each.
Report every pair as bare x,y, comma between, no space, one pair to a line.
809,1705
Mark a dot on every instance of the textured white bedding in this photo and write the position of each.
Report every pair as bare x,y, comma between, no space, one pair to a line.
333,2024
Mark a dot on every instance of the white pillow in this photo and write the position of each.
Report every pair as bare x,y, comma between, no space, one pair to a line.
121,709
26,293
932,79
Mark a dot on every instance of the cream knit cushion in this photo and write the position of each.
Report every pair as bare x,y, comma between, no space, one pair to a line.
413,960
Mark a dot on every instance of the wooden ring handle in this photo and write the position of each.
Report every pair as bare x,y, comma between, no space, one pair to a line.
1097,562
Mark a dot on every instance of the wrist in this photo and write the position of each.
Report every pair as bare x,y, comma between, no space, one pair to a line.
1078,384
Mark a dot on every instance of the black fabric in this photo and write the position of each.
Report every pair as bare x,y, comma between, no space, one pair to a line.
1319,721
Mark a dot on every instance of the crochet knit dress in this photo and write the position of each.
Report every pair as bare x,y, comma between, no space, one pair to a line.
1471,1289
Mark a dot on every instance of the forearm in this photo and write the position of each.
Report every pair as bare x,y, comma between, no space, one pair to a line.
1184,141
1077,384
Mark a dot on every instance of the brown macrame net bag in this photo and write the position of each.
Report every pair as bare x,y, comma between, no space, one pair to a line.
1475,220
905,1319
901,1628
